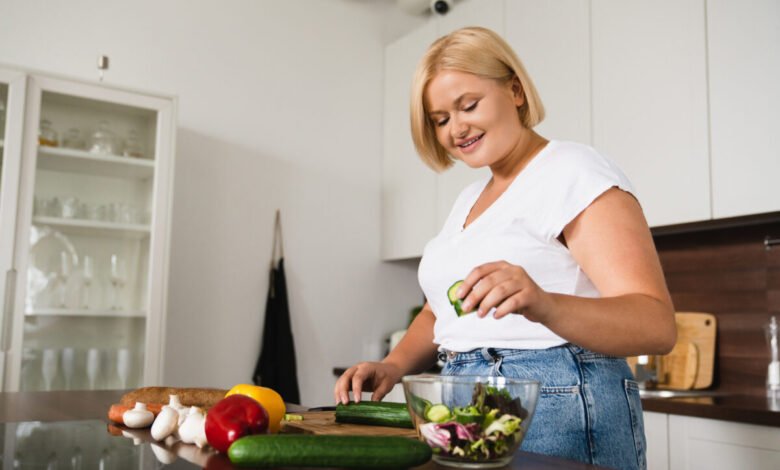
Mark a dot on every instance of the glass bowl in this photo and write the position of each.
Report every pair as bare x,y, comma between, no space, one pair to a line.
471,421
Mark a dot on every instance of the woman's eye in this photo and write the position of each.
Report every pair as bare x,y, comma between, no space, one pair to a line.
472,106
442,122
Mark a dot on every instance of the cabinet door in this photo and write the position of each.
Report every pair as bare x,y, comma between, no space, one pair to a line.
552,40
744,72
650,102
92,237
697,443
657,436
408,185
12,93
488,14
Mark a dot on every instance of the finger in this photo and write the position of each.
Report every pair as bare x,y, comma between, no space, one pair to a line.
514,304
483,287
475,275
341,390
357,386
500,291
382,390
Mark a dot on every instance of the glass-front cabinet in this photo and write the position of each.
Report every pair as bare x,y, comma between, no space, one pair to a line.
90,256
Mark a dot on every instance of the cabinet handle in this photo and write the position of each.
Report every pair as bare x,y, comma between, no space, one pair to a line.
8,308
769,242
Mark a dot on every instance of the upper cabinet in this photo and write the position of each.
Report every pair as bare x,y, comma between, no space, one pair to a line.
744,73
552,40
408,185
650,102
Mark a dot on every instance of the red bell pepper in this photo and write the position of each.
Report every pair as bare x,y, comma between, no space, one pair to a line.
233,417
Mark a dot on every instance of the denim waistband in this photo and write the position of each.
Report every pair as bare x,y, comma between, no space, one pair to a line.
495,354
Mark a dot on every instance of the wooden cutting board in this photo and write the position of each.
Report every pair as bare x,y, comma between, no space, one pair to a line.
324,422
690,364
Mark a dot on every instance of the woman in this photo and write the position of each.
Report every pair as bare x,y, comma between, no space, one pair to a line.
555,256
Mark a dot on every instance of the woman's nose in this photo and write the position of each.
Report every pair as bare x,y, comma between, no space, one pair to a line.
459,128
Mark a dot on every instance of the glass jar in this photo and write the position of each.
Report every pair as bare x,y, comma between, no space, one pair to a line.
102,140
73,139
133,147
46,135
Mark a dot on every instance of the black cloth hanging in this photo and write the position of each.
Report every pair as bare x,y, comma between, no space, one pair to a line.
276,365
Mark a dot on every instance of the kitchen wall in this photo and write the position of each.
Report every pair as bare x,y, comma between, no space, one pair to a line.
280,106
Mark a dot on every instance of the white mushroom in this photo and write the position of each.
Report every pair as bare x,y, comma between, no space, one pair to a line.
138,417
137,441
193,430
165,423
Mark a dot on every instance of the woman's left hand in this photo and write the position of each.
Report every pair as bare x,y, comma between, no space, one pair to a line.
507,287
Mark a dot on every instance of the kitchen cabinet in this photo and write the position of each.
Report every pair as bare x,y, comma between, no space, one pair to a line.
744,70
699,443
92,169
649,93
657,440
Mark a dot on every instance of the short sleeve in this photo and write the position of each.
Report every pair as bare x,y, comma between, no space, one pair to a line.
578,175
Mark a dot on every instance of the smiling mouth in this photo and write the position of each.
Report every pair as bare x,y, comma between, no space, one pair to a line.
470,142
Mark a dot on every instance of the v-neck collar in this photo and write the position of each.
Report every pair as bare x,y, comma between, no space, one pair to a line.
462,227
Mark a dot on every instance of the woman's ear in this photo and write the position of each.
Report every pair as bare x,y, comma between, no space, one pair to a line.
517,92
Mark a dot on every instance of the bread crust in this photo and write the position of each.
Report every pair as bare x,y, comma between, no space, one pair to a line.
200,397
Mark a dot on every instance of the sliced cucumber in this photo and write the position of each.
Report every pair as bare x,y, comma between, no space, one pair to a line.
438,413
455,301
467,414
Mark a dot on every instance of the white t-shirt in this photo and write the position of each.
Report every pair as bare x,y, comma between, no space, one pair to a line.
521,227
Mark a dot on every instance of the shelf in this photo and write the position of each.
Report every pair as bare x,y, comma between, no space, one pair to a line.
69,312
80,161
93,227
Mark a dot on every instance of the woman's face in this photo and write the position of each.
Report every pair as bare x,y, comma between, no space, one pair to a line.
475,118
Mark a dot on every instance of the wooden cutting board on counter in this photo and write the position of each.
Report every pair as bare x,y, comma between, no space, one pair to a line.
691,363
324,422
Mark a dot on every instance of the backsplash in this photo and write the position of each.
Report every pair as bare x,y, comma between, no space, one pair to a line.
728,272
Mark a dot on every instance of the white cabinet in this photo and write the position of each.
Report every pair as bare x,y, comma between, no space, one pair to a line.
698,443
744,72
657,437
552,40
89,235
408,185
650,102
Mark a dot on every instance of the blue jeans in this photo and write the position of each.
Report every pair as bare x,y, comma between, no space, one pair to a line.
588,408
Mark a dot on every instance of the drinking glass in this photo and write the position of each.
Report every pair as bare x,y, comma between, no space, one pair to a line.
68,365
118,276
88,275
123,364
93,366
72,139
49,367
62,277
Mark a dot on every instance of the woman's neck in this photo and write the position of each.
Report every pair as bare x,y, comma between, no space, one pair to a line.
529,144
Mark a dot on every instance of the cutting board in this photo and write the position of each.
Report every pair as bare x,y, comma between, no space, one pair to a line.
324,422
690,364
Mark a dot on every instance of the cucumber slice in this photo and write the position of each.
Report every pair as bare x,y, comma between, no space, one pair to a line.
467,414
438,413
455,301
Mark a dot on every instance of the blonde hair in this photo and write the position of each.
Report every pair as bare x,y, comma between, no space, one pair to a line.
474,50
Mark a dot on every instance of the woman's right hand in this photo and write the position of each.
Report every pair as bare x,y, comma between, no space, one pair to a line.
377,377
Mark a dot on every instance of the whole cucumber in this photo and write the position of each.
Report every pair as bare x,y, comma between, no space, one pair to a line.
375,413
312,450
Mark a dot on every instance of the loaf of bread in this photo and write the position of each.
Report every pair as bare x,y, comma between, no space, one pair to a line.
200,397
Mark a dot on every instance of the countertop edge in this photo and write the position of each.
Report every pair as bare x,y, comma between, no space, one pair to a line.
735,408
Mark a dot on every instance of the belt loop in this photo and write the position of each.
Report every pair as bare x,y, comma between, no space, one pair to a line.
487,354
497,366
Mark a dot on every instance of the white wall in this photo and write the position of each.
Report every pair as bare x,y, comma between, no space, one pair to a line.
280,107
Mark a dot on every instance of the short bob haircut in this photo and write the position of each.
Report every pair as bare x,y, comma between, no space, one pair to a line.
473,50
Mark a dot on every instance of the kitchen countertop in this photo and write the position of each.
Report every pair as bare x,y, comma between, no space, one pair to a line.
75,407
738,408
